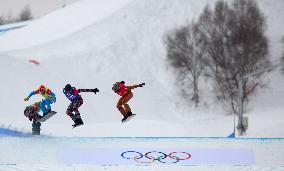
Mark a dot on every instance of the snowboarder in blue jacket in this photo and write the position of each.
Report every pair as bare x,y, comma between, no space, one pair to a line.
49,98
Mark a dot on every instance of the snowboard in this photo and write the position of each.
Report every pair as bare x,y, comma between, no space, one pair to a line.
76,126
47,116
128,118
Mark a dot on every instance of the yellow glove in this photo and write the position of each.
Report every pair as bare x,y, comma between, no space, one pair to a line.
26,99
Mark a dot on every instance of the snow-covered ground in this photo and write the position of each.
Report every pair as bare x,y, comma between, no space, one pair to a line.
94,43
124,41
104,153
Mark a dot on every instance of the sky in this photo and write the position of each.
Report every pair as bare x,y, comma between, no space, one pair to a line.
38,7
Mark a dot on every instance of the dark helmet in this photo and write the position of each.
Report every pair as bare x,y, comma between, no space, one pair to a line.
116,87
68,87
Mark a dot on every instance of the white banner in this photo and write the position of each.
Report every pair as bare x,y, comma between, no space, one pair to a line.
150,156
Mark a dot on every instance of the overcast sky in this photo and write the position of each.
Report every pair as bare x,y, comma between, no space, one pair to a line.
38,7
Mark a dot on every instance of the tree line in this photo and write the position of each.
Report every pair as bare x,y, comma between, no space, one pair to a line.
227,44
24,15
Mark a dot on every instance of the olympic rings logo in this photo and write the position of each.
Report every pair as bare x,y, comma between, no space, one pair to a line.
152,156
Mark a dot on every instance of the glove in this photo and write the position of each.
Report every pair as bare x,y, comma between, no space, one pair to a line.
141,85
96,90
122,82
26,99
53,99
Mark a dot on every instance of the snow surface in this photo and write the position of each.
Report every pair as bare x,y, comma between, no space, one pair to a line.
61,23
94,43
124,41
45,153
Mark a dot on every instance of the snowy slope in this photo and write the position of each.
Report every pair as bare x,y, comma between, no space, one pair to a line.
122,42
61,23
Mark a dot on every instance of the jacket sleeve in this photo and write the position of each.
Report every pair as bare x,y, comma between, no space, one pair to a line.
53,97
132,86
52,94
75,91
86,90
32,93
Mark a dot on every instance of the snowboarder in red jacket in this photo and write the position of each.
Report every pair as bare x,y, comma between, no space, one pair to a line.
126,94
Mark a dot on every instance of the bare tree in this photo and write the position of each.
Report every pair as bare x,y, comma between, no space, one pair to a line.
7,19
2,20
282,59
25,14
237,49
185,56
215,30
250,47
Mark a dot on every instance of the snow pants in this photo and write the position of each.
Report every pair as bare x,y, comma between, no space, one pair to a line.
73,107
36,128
122,105
45,105
31,114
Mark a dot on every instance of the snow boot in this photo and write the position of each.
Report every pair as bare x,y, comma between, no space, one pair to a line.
127,116
77,122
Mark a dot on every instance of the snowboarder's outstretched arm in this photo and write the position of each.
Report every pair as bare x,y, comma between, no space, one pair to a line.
44,91
135,86
89,90
30,95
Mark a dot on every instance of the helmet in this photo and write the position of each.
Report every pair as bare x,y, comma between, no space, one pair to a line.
42,88
116,87
68,87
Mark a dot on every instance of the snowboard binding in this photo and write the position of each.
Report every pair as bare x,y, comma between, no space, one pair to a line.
127,117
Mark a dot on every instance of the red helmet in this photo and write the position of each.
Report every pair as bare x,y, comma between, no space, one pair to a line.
42,88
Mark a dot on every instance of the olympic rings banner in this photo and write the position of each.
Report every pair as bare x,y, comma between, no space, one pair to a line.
151,156
156,156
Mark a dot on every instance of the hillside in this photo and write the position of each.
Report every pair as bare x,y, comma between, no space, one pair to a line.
94,48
